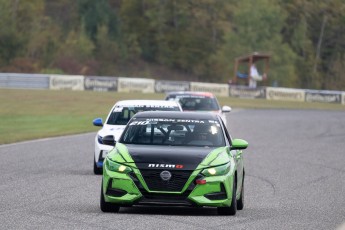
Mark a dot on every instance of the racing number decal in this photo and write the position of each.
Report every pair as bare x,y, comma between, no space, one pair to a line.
139,123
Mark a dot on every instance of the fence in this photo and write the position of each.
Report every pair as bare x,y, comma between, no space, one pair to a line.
144,85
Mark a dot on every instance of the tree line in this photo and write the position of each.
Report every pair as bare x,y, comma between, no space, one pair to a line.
176,39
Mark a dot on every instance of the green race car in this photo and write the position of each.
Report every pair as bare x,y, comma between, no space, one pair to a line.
175,159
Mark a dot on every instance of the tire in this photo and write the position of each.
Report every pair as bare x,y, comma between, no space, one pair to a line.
96,170
106,206
233,207
240,202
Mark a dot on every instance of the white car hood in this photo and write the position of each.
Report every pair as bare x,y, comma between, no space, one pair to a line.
115,130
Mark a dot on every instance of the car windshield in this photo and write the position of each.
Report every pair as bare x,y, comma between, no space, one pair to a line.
122,114
198,103
179,132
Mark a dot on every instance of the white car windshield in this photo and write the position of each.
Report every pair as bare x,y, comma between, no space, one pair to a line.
180,132
121,115
197,103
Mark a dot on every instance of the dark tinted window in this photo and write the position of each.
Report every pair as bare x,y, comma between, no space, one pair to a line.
121,115
198,103
180,132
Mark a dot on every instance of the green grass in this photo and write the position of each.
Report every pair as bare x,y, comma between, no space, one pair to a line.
32,114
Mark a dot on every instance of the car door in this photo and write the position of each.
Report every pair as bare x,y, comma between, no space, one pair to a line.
238,158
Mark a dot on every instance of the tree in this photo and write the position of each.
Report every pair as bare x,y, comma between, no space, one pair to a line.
18,23
257,27
108,51
313,29
95,14
177,34
75,54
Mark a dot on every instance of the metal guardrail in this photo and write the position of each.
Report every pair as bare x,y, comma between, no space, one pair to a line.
24,81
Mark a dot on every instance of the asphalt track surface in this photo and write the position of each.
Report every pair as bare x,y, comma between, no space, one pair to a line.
295,180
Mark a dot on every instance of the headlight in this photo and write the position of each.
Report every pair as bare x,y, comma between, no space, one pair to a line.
116,167
217,171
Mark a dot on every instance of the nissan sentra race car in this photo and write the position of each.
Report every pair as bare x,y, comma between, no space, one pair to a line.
175,159
198,101
116,122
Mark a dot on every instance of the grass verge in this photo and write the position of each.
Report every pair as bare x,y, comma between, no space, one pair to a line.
32,114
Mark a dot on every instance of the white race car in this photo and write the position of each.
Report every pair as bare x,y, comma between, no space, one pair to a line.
116,122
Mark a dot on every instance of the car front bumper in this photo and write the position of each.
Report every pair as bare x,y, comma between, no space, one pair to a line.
131,189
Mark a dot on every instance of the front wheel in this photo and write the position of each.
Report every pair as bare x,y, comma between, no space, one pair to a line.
106,206
233,207
240,202
96,170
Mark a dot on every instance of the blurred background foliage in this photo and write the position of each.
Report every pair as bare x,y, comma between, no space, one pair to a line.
195,40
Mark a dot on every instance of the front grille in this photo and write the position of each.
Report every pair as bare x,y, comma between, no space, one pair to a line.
155,183
149,198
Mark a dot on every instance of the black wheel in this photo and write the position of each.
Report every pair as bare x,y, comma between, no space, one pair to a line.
233,207
96,170
107,207
240,202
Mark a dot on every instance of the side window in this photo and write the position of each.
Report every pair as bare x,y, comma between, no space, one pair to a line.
123,117
125,114
131,114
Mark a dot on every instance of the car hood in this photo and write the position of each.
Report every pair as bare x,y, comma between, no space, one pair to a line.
168,157
115,130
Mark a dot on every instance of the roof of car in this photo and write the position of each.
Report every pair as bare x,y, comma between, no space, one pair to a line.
146,102
177,115
206,94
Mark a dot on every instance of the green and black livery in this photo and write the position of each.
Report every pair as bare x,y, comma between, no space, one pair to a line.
164,169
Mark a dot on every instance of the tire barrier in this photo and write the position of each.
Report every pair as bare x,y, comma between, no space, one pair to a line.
221,90
285,94
144,85
66,82
162,86
105,84
246,92
141,85
322,96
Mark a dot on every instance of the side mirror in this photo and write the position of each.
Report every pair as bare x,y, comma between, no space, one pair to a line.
226,109
98,122
239,144
109,140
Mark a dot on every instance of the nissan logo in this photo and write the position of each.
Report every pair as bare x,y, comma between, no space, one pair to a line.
165,175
